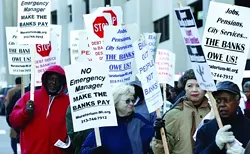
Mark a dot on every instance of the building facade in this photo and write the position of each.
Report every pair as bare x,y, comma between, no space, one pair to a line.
150,15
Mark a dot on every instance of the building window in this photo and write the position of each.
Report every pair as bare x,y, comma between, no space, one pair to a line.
162,26
70,13
87,6
107,2
245,3
54,17
196,7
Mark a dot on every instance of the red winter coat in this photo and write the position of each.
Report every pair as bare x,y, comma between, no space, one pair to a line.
39,134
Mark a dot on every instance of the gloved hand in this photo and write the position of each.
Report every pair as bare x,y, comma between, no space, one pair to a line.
158,124
99,150
223,136
236,149
30,107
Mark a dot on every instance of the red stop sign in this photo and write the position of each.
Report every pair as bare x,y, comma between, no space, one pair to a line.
43,49
113,16
98,25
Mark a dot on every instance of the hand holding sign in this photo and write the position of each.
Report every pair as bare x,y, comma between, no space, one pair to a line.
147,72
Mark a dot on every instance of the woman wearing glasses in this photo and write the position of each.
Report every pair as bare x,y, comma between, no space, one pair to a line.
133,133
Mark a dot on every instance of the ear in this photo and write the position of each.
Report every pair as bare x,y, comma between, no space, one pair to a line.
238,97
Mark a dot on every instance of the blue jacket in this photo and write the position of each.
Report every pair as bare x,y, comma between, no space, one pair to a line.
132,136
205,139
141,106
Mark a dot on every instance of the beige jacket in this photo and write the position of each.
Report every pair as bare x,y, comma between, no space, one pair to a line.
180,124
9,95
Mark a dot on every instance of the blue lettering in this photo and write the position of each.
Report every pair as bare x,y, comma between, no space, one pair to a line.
142,45
147,66
125,56
151,89
109,47
149,77
122,31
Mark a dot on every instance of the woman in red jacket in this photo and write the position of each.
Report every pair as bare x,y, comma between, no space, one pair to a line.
42,121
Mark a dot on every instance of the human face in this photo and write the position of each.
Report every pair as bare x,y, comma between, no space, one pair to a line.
53,83
227,104
125,106
194,92
247,93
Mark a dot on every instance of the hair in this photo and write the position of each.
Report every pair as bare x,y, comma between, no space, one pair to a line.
18,80
180,84
246,85
189,74
121,90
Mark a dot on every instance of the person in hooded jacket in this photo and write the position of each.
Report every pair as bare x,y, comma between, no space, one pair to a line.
180,122
133,133
42,121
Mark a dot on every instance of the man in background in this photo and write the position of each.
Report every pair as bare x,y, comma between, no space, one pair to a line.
10,93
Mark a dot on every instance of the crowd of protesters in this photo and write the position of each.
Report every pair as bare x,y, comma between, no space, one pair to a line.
190,125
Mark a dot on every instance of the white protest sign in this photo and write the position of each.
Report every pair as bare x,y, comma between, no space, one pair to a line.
148,75
74,46
226,41
19,55
95,23
119,52
84,47
33,21
165,66
193,43
152,40
90,95
48,54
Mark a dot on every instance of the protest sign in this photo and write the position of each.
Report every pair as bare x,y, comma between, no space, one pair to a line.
165,66
148,75
90,95
95,27
193,44
74,46
114,12
19,55
226,41
48,54
33,21
86,55
119,52
152,40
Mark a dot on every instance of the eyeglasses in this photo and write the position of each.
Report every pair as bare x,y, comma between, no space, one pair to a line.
224,99
130,100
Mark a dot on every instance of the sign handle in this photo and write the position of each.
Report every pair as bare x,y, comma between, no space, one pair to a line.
32,80
22,86
179,3
97,137
216,113
163,135
164,97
